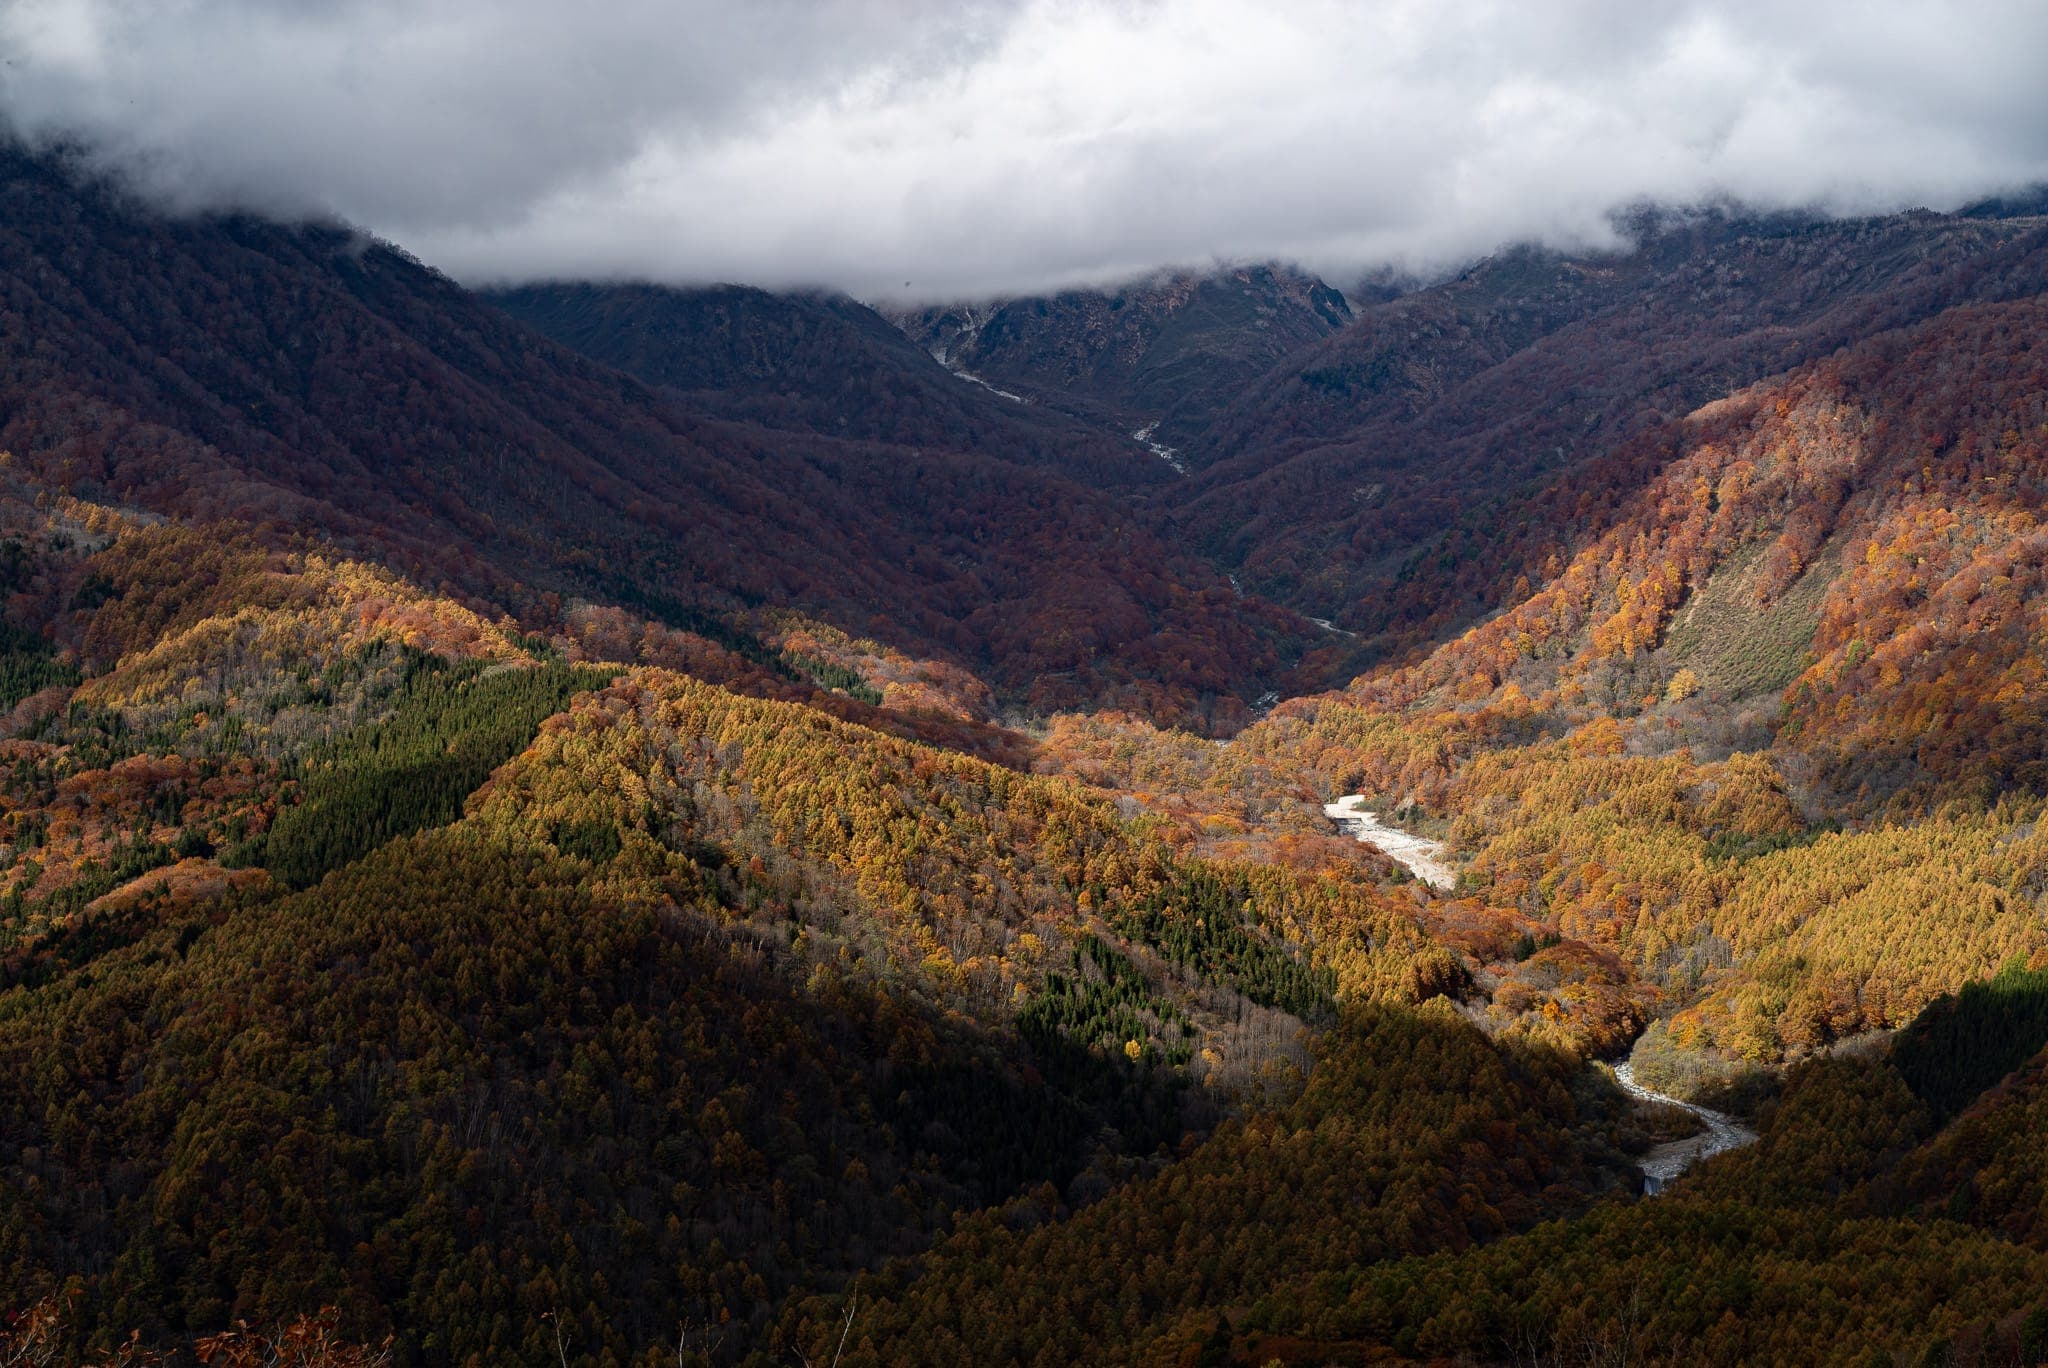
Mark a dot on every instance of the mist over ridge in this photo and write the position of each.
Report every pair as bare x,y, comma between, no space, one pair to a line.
924,151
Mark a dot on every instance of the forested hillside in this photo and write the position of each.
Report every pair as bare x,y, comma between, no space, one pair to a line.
310,379
1162,355
817,363
1289,1241
313,999
1391,465
709,840
1766,723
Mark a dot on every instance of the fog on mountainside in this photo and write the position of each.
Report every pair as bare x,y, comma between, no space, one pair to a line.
924,152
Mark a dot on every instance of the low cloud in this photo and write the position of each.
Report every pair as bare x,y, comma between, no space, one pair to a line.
897,148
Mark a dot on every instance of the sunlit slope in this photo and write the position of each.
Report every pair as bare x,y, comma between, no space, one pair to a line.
1772,737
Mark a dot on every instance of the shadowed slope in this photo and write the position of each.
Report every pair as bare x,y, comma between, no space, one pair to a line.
305,377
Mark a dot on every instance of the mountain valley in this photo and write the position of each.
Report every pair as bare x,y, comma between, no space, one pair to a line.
606,823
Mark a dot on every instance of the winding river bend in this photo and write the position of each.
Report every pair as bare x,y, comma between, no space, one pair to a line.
1665,1162
1419,856
1424,859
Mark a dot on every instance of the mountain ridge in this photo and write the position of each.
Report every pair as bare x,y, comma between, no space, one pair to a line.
727,842
300,377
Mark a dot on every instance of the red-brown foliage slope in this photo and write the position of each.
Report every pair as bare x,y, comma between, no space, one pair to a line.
1909,473
816,363
307,377
1404,473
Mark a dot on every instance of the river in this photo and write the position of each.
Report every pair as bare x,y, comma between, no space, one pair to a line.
1143,436
1666,1161
1423,858
1418,855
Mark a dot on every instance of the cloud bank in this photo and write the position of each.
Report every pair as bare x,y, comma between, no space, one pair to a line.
938,149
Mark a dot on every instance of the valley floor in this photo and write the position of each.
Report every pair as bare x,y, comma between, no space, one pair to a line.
1418,855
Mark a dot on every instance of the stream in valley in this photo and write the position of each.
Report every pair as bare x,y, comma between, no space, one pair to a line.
1424,859
1418,855
1666,1161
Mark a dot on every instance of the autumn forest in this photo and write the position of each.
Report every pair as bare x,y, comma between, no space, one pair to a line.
615,825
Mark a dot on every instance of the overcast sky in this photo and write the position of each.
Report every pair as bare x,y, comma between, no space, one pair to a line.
998,146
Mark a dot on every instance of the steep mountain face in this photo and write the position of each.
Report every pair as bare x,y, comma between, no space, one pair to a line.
1763,722
1163,355
1361,468
307,379
814,363
1860,536
1360,477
